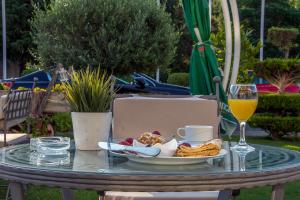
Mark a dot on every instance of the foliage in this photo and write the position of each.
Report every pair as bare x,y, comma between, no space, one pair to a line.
295,3
283,38
179,79
3,87
278,115
30,68
18,29
89,91
58,88
62,122
120,36
249,51
185,45
279,72
277,13
36,89
284,104
38,126
42,126
276,126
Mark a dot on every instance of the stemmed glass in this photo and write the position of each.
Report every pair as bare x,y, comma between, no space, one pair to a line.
242,103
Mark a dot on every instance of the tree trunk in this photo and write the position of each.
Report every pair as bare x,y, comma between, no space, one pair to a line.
287,53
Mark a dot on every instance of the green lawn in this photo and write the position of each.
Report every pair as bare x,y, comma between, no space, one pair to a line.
292,190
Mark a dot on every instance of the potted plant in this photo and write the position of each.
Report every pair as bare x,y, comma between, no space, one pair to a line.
89,95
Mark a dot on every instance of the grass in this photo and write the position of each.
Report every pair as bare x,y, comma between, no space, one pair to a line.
288,143
292,190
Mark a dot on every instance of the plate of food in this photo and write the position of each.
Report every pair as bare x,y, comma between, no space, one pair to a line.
172,152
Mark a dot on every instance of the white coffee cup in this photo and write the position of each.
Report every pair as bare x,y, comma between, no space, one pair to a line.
196,133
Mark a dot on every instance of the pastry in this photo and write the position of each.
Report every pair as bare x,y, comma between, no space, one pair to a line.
150,138
207,149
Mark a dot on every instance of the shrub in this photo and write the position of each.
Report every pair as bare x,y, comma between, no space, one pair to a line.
250,49
38,126
284,104
276,126
121,36
62,122
283,38
179,79
278,114
30,68
279,72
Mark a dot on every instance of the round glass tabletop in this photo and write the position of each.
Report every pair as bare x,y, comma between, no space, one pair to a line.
263,159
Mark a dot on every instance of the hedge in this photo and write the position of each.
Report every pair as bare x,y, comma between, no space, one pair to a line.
276,126
179,79
278,114
284,103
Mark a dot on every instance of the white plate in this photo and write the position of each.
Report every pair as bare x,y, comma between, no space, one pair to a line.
169,160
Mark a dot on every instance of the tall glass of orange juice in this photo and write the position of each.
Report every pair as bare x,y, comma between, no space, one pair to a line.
242,103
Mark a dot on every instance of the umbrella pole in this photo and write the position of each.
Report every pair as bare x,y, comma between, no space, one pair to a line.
228,49
237,41
4,64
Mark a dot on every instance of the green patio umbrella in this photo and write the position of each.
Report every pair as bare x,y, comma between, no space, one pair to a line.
203,62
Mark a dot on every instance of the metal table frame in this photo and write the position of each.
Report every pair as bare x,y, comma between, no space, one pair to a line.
147,183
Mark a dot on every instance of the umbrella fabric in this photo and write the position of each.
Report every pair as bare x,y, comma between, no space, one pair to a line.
203,62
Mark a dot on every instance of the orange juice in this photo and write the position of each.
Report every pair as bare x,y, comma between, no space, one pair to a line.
242,109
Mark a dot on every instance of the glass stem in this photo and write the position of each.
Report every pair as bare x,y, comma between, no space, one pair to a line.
242,134
242,163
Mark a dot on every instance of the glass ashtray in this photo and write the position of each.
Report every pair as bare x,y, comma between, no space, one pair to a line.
50,145
39,159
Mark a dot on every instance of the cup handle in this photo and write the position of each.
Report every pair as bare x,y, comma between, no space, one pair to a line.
180,130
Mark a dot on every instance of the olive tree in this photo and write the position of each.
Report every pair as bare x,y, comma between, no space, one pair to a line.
118,35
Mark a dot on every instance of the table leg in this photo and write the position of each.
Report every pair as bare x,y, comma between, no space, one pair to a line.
16,191
101,195
67,194
224,194
278,192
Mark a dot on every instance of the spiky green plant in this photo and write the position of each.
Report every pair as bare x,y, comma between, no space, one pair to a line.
89,91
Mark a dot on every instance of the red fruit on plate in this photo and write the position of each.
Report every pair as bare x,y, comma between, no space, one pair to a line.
156,133
125,143
185,144
129,140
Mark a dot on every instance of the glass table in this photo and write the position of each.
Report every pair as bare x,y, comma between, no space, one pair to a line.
96,170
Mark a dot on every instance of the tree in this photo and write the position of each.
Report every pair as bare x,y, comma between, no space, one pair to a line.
280,13
18,13
120,36
279,72
249,51
295,3
185,45
283,38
